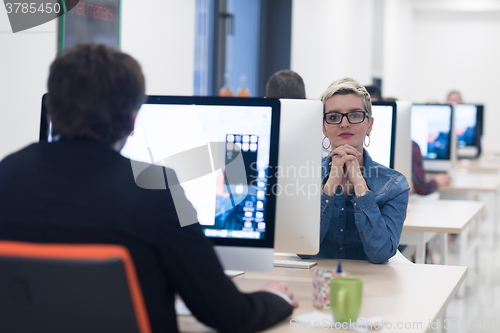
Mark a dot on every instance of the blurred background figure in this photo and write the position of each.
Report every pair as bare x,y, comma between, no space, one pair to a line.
454,97
285,84
420,186
375,93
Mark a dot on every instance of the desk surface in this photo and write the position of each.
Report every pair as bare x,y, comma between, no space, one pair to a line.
485,164
449,216
465,181
404,294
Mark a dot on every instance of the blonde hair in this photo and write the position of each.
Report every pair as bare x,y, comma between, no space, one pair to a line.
346,86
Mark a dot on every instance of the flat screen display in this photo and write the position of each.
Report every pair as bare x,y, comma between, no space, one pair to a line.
431,127
221,150
383,135
465,124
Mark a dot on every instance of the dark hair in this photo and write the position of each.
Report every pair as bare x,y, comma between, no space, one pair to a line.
375,94
285,84
93,91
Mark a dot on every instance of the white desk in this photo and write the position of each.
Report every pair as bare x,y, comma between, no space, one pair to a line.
482,164
474,186
404,294
426,218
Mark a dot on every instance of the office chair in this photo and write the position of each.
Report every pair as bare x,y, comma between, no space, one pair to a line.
63,288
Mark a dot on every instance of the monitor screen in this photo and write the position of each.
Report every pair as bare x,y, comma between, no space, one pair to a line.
468,125
383,135
431,130
465,124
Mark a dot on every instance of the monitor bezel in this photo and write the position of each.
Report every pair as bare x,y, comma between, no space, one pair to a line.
43,136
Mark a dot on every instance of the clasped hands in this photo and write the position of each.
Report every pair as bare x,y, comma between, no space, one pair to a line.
345,171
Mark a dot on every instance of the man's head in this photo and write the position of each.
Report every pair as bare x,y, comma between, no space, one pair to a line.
454,97
94,92
285,84
375,93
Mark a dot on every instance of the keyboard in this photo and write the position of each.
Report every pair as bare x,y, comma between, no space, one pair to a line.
231,273
181,308
294,264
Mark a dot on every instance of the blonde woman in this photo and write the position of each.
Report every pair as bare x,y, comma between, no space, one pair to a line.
363,203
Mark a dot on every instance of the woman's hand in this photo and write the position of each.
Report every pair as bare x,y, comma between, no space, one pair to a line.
345,163
341,157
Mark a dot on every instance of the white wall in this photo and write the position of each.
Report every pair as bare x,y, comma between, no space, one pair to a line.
398,33
25,58
459,50
428,47
158,33
332,39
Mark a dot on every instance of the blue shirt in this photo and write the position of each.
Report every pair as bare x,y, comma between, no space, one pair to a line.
365,228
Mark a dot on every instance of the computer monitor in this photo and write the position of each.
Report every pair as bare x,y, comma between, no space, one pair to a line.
383,135
45,127
403,150
431,129
222,150
299,177
468,129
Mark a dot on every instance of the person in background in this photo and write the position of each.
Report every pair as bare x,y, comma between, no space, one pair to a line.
285,84
375,93
454,97
79,189
420,185
363,204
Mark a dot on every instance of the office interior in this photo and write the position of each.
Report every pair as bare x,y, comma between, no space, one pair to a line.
419,49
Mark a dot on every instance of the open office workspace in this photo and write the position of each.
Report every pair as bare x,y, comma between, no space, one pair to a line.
252,191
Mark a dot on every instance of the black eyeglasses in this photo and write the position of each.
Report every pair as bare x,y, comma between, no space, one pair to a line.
335,118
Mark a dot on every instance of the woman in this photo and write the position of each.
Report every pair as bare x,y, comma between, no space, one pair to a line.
363,204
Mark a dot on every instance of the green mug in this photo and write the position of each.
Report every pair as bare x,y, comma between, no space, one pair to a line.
346,294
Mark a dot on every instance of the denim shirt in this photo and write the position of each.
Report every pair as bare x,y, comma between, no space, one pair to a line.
365,228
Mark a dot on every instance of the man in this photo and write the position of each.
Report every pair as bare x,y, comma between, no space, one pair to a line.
454,97
79,189
375,93
285,84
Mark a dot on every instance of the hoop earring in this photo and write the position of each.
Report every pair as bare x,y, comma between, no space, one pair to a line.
369,140
323,143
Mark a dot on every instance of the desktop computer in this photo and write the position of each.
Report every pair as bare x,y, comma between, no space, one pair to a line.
222,150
